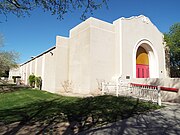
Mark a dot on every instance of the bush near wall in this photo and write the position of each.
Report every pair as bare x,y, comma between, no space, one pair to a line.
38,82
32,80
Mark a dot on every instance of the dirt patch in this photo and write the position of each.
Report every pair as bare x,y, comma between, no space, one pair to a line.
19,128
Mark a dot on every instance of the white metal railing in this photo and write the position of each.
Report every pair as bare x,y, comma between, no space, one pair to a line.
145,92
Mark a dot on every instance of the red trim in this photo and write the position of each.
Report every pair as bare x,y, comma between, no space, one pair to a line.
169,89
140,85
162,88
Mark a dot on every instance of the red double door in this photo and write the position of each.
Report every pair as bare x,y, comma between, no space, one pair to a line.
142,71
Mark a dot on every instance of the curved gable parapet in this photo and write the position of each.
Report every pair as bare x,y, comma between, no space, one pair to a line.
144,19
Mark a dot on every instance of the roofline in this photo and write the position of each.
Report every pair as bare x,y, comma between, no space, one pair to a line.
50,49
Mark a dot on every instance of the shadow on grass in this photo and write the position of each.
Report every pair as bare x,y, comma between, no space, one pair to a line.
70,117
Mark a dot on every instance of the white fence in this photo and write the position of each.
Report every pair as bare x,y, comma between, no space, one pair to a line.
150,93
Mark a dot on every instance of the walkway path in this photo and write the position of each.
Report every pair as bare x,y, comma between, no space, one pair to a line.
165,121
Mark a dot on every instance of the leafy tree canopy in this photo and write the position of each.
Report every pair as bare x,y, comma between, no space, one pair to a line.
7,59
172,39
55,7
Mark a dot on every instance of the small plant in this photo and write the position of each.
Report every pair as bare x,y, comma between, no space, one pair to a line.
67,86
99,83
38,82
32,80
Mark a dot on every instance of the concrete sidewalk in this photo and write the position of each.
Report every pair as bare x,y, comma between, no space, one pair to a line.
165,121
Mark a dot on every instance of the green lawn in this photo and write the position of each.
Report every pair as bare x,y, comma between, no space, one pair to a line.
34,106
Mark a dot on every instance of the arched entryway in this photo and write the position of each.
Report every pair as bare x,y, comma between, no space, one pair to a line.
142,63
145,60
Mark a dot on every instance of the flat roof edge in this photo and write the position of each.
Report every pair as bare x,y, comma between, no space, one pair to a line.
50,49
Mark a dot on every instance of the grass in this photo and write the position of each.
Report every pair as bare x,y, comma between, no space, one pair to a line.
29,106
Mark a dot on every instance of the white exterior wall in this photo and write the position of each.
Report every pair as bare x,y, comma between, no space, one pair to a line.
33,66
48,78
27,72
79,45
102,53
131,32
61,63
38,68
14,72
23,73
91,55
43,66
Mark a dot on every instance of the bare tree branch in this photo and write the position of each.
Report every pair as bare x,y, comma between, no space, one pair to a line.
22,8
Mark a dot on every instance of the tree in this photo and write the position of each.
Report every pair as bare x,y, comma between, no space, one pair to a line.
7,59
172,39
55,7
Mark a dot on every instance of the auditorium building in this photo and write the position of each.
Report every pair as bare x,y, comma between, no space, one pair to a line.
97,51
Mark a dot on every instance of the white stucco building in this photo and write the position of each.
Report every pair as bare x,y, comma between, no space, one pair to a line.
98,51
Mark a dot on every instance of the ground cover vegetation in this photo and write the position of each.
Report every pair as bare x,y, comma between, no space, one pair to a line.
44,112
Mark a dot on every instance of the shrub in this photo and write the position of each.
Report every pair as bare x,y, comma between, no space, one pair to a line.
67,86
32,80
38,82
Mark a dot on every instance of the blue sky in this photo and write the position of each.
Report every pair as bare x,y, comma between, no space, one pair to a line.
33,35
